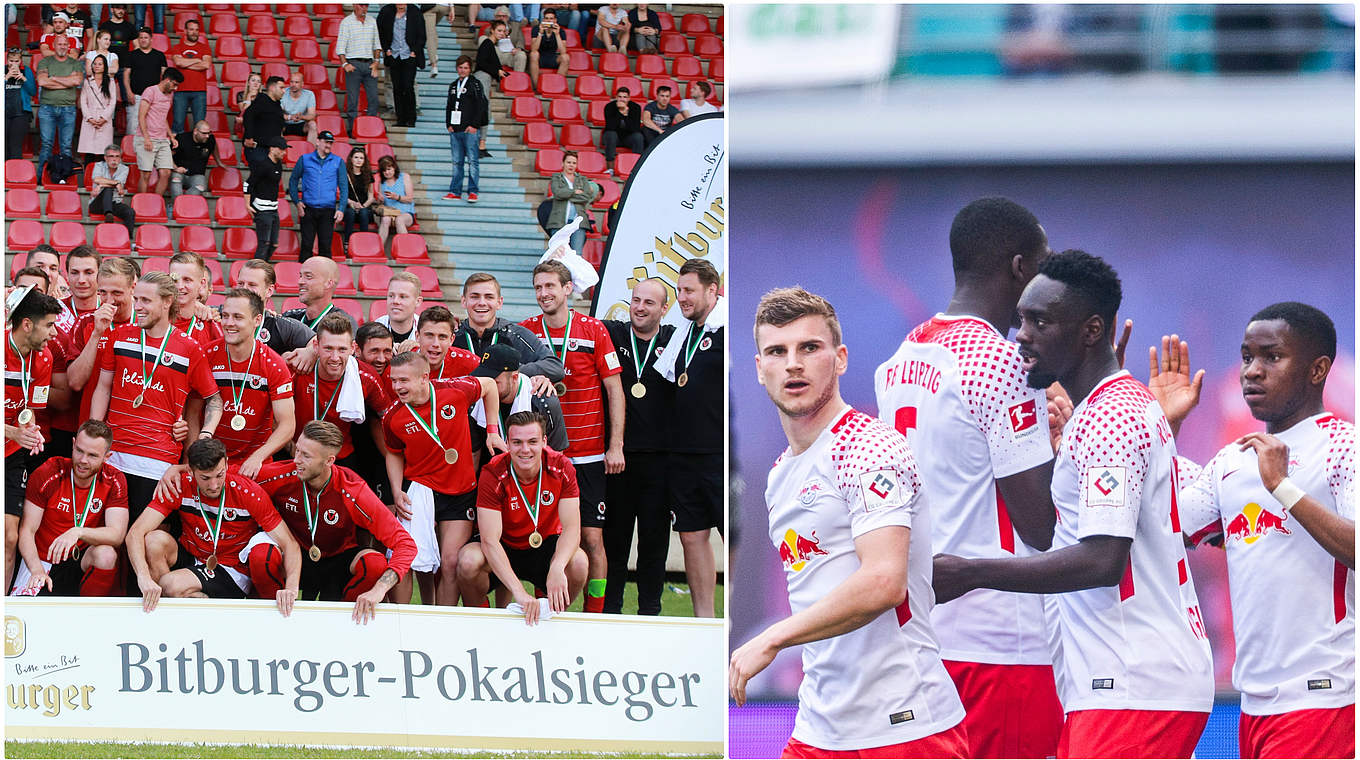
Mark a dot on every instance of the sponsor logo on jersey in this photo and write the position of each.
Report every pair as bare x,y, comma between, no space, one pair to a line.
611,360
1105,487
256,381
797,551
1253,523
881,488
133,379
1024,417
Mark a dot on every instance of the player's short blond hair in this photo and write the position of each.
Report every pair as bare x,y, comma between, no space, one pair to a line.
782,306
407,278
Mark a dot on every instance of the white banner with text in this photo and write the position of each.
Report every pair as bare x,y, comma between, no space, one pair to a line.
229,671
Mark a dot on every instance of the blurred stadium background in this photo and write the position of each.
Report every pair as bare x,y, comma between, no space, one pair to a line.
1207,151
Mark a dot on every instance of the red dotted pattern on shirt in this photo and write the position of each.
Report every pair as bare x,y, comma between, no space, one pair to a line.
865,444
1340,458
991,374
1112,430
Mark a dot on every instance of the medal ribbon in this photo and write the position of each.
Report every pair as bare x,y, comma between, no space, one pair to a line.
430,429
215,533
320,317
538,493
147,377
641,365
307,505
690,352
316,390
566,335
236,395
495,337
193,325
24,368
89,498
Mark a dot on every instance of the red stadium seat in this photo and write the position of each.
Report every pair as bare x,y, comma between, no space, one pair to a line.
720,26
25,234
315,78
673,44
305,50
63,204
565,111
377,150
290,9
526,108
235,272
67,235
297,148
350,307
694,23
156,264
239,243
685,67
220,24
624,163
595,112
298,27
326,101
225,181
548,162
539,135
215,269
289,246
377,309
285,216
328,11
708,46
70,183
577,137
19,174
217,122
292,303
149,207
250,9
592,164
330,28
409,248
341,148
200,240
373,278
572,38
286,274
275,69
579,62
235,73
154,240
429,280
609,194
666,20
226,151
182,19
370,128
344,284
214,98
663,82
112,240
129,145
590,87
552,85
191,209
715,69
269,49
594,252
516,83
230,210
613,64
366,248
651,66
262,25
17,264
633,84
334,124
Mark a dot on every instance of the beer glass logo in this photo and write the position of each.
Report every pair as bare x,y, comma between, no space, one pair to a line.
14,636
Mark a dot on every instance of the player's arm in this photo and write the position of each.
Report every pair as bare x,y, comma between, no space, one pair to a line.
111,534
374,517
292,567
99,402
489,525
212,415
542,361
569,514
1030,504
1333,532
613,456
879,584
149,520
59,392
1094,562
491,403
284,426
28,545
193,416
396,473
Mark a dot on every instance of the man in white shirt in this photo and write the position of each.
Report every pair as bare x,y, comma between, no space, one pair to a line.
299,110
611,28
690,107
852,526
360,51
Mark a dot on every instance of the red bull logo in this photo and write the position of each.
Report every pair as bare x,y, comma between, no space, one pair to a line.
797,551
1253,523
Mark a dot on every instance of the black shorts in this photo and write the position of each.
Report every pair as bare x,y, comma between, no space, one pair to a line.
547,60
67,578
373,473
530,564
140,493
696,491
326,578
217,584
296,128
59,446
16,482
458,506
590,479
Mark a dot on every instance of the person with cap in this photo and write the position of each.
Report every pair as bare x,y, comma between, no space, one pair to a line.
262,197
500,362
321,177
61,27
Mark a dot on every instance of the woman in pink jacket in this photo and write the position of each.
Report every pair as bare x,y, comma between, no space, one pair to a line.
98,99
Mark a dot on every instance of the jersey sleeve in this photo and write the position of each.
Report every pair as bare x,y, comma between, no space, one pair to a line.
375,395
464,361
118,490
606,358
391,435
200,373
41,386
571,485
1111,452
370,514
1197,499
876,475
279,378
1341,469
258,504
488,490
104,354
1012,416
167,507
42,484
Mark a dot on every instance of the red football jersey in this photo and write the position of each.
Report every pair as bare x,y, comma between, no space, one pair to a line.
590,358
458,363
72,344
496,490
207,334
425,463
345,503
39,366
304,391
145,430
50,488
259,381
245,511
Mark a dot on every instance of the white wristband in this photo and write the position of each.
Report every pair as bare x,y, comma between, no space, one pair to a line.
1287,494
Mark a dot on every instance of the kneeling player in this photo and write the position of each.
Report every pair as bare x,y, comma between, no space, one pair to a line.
75,515
220,513
526,535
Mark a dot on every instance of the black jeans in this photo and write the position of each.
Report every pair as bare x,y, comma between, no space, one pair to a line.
266,234
363,217
611,141
404,89
16,131
103,203
639,492
317,225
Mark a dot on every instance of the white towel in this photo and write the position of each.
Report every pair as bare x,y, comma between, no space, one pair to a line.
421,528
717,318
350,405
583,275
545,610
524,400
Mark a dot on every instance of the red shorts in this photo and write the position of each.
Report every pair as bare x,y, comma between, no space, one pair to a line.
1131,733
949,743
1301,733
1013,710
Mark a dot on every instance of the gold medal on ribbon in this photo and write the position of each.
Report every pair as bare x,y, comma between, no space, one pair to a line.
560,387
211,564
639,390
136,402
450,455
683,379
238,422
689,354
640,363
314,553
535,539
26,417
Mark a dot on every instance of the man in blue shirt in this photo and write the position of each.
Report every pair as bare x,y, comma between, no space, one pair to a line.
321,176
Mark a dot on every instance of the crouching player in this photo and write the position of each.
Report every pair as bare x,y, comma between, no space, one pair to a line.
220,512
75,515
529,517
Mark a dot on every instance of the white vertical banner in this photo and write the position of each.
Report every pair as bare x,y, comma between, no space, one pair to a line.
674,208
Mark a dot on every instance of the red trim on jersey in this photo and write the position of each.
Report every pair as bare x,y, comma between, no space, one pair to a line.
1180,569
1339,591
1126,583
903,611
1175,507
930,330
1003,519
1325,419
836,428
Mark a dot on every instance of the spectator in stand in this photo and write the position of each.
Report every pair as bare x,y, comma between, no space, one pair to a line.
698,104
465,111
569,14
153,149
80,21
359,47
432,13
20,88
549,47
516,12
299,110
362,196
401,31
158,13
262,196
488,70
98,102
645,29
59,76
611,28
398,197
142,68
509,48
122,32
622,126
321,177
102,46
192,151
194,59
109,188
514,33
61,27
571,195
263,121
254,86
659,116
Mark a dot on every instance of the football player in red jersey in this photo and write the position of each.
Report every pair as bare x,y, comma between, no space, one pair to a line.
376,347
525,537
82,271
220,512
192,283
117,277
75,515
317,393
434,341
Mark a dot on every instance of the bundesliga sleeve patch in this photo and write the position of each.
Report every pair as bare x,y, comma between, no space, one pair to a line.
1024,418
881,489
1105,487
611,360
